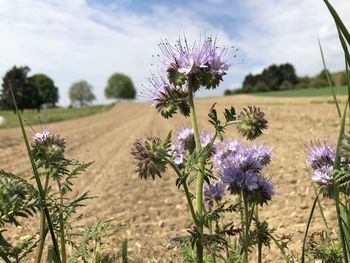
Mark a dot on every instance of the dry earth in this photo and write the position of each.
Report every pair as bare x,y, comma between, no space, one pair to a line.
156,211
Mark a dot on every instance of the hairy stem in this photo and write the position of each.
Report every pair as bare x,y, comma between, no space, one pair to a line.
259,241
246,231
200,176
42,227
187,192
62,234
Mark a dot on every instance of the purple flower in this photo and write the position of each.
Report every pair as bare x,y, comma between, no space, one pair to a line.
320,154
260,153
264,192
224,154
237,180
215,191
202,61
322,176
41,136
185,143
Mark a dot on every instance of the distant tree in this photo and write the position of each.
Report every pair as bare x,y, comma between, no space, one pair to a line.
271,78
16,78
47,92
321,80
343,79
261,86
228,92
286,85
81,92
120,86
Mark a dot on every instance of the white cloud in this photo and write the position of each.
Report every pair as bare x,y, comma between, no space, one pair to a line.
280,31
73,40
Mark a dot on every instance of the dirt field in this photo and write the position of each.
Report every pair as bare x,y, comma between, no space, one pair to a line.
156,211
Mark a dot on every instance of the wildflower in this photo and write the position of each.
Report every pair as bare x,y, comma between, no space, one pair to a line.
149,156
320,154
237,180
225,153
168,98
264,192
48,148
322,176
252,122
213,192
185,144
203,63
260,153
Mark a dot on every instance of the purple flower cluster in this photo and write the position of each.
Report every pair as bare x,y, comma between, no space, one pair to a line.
190,60
202,64
185,144
321,158
240,170
213,192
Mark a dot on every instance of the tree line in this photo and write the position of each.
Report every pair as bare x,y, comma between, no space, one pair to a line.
39,90
284,77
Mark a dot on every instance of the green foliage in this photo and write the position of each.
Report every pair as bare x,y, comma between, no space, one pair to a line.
47,91
120,86
271,78
18,198
91,241
81,92
286,85
15,78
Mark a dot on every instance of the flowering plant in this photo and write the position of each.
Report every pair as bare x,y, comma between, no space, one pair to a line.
218,167
330,168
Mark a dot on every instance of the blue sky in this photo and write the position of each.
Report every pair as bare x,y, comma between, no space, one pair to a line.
91,39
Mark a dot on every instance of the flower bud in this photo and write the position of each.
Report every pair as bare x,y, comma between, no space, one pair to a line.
252,122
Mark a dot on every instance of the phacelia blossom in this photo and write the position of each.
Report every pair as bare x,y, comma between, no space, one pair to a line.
236,180
47,147
203,61
41,136
185,143
232,154
264,192
214,191
320,154
322,176
165,97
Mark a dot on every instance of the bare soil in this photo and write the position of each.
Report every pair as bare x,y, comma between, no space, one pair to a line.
155,211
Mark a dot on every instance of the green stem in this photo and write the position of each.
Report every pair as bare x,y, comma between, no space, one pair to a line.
62,234
42,228
246,231
37,179
337,166
200,176
187,192
259,241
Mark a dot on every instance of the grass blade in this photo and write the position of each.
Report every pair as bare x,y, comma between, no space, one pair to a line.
329,78
307,229
336,189
37,179
125,250
338,21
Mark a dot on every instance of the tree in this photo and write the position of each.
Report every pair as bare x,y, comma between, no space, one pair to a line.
16,78
286,85
81,92
120,86
47,92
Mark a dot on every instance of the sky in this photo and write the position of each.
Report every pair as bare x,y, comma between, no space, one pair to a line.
72,40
